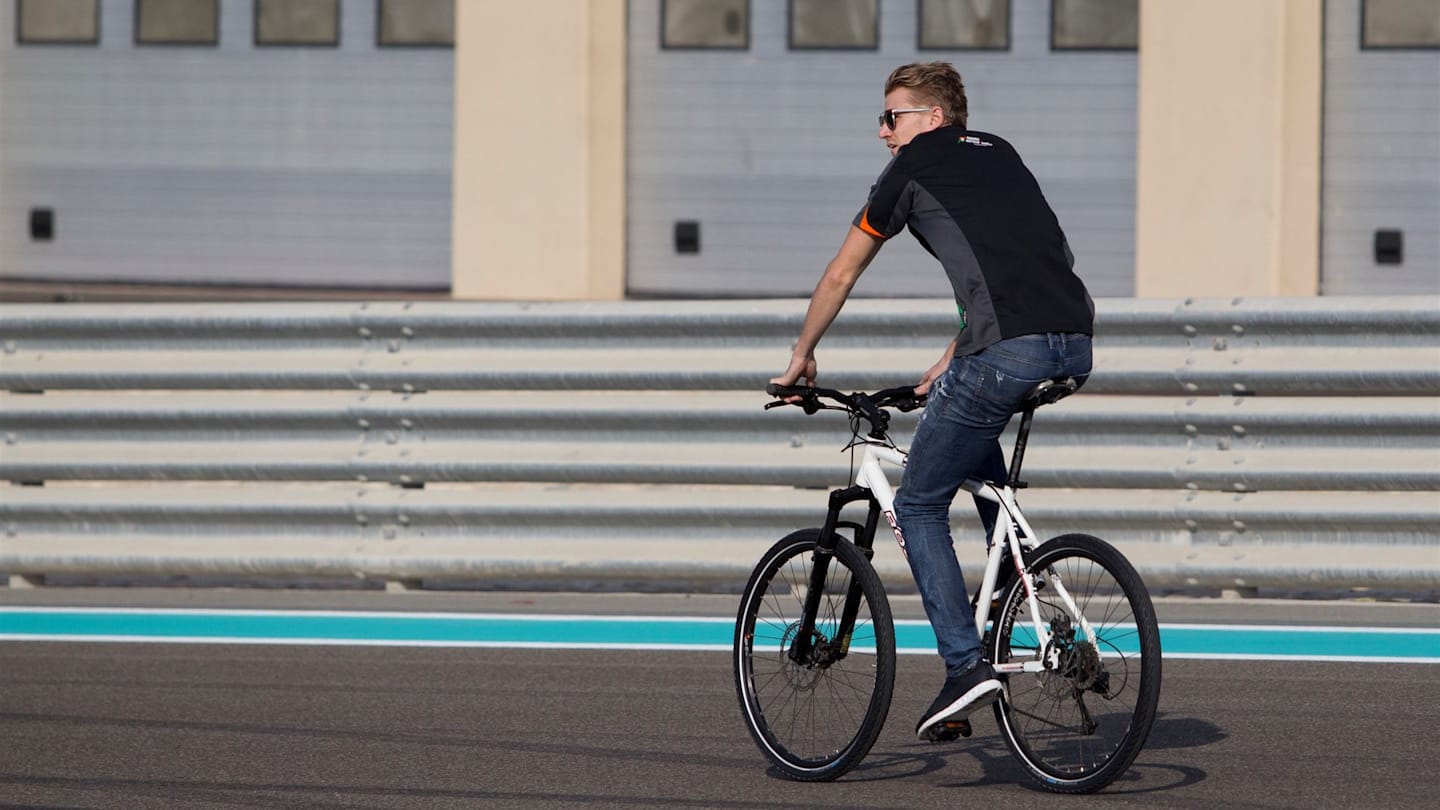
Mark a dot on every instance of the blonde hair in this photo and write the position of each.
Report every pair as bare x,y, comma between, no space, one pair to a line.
933,83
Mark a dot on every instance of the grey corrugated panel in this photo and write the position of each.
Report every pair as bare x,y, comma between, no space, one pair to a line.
567,560
396,458
693,150
648,411
1381,162
506,508
1358,321
674,533
1351,346
1322,464
1289,370
1352,320
229,163
729,416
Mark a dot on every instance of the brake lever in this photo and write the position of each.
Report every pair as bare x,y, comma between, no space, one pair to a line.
811,405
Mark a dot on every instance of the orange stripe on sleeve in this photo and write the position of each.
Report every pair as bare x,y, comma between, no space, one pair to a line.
867,227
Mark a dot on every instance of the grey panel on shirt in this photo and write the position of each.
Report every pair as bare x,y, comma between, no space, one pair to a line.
940,234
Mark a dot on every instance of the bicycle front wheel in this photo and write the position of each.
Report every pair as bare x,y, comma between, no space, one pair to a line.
1079,722
816,708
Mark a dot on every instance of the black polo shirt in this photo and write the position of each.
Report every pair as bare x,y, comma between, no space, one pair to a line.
971,202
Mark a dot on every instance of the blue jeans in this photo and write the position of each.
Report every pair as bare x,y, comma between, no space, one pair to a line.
959,437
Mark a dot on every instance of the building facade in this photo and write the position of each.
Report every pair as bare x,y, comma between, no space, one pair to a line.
703,148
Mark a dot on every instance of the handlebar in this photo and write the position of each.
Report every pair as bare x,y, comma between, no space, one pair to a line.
868,406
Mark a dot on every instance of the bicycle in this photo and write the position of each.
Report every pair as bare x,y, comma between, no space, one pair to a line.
1074,637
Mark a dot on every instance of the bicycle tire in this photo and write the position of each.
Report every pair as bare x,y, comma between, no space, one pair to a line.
1078,726
814,723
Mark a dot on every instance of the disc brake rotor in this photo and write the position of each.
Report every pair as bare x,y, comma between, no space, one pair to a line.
802,676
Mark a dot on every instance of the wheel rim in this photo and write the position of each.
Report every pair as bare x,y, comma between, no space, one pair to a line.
1073,721
811,712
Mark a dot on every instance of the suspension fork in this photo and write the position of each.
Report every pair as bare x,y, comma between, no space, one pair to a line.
802,648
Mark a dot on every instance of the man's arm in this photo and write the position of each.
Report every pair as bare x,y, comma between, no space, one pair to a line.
840,276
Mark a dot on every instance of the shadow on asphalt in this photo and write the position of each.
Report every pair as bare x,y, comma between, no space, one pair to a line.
1182,732
999,767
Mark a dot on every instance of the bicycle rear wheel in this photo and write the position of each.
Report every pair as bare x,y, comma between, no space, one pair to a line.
817,717
1078,724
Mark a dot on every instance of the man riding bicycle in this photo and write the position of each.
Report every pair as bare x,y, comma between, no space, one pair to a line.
1024,317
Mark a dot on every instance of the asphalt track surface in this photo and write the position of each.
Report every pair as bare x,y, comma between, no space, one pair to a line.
91,725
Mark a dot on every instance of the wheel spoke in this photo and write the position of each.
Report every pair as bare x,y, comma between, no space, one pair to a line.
1048,722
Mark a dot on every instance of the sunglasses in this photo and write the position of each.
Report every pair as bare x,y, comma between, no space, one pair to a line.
887,118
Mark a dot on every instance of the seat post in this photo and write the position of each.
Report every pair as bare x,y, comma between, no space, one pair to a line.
1048,391
1022,437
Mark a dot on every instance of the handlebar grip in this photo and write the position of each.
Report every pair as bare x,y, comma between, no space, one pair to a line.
808,397
902,399
806,391
893,394
911,404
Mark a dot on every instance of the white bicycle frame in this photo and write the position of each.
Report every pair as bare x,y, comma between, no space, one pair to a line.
1007,535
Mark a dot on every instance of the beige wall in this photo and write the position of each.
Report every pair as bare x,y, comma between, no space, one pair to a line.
539,196
1228,197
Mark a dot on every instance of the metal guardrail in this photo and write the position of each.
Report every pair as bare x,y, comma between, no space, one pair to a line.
1284,442
1148,347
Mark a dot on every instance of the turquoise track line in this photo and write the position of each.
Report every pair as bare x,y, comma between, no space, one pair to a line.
1271,642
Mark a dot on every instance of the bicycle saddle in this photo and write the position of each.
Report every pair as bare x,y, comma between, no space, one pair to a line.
1049,391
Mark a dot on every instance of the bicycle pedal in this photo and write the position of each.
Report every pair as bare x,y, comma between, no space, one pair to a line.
947,730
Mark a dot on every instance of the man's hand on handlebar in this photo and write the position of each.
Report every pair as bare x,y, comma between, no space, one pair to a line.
807,398
801,367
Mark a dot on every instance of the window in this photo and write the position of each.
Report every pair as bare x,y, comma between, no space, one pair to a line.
1094,25
964,24
834,24
297,22
416,22
705,24
58,22
1400,24
177,22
